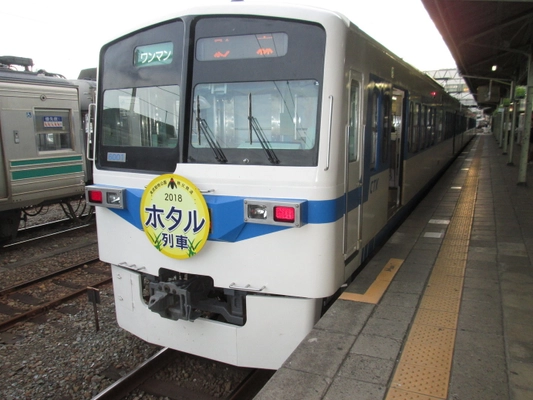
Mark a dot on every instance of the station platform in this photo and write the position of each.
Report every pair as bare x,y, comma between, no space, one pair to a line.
444,310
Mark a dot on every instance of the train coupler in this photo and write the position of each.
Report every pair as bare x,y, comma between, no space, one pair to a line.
195,297
175,300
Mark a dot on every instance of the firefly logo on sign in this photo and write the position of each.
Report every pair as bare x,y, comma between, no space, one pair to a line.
265,52
219,54
175,216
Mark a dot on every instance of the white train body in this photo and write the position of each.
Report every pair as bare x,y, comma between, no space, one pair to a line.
324,158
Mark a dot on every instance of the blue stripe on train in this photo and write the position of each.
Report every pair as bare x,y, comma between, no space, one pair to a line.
227,214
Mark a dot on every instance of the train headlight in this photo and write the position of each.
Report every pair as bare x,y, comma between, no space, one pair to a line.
114,197
105,196
257,211
273,212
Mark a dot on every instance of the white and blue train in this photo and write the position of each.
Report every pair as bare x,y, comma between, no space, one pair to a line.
248,159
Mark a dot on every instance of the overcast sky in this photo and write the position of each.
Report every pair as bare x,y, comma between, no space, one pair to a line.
65,37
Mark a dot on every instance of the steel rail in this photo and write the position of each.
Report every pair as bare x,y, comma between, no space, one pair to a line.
41,309
14,288
138,376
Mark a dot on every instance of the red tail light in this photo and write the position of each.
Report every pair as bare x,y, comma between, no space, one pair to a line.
284,214
95,196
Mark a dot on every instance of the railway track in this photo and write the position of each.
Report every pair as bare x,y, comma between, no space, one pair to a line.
143,378
33,297
44,231
55,263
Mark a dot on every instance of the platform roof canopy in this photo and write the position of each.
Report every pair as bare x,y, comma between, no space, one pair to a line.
490,41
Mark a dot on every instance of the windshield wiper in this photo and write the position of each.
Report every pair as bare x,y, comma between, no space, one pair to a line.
203,128
255,127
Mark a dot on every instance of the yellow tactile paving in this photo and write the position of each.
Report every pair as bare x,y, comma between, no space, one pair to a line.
445,281
378,287
423,372
440,303
448,270
398,394
429,337
444,286
443,319
422,380
449,241
449,263
453,252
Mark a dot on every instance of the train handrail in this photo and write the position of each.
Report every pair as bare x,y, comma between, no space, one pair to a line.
90,129
247,287
330,124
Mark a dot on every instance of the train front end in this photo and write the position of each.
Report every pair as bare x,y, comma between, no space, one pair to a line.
219,203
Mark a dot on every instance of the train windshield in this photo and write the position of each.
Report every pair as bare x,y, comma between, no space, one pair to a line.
211,89
256,86
142,117
264,116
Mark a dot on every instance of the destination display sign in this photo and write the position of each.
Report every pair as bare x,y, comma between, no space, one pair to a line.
153,54
264,45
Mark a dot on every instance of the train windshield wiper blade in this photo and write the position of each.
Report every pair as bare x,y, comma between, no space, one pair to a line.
203,128
256,128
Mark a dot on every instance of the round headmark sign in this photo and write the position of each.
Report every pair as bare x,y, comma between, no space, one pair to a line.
175,216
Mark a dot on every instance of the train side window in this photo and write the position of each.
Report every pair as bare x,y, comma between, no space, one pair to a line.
387,127
410,129
53,129
413,127
374,127
423,113
353,127
449,125
432,126
438,126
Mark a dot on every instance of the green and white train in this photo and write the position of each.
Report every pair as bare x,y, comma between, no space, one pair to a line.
42,140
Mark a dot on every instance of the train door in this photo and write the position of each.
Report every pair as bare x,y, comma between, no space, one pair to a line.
395,151
353,177
3,177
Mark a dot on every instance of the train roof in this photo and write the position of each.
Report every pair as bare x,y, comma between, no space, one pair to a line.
319,15
291,11
29,77
301,12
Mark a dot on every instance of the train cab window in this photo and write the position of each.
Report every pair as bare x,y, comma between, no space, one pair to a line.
353,127
141,117
260,122
139,95
53,129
